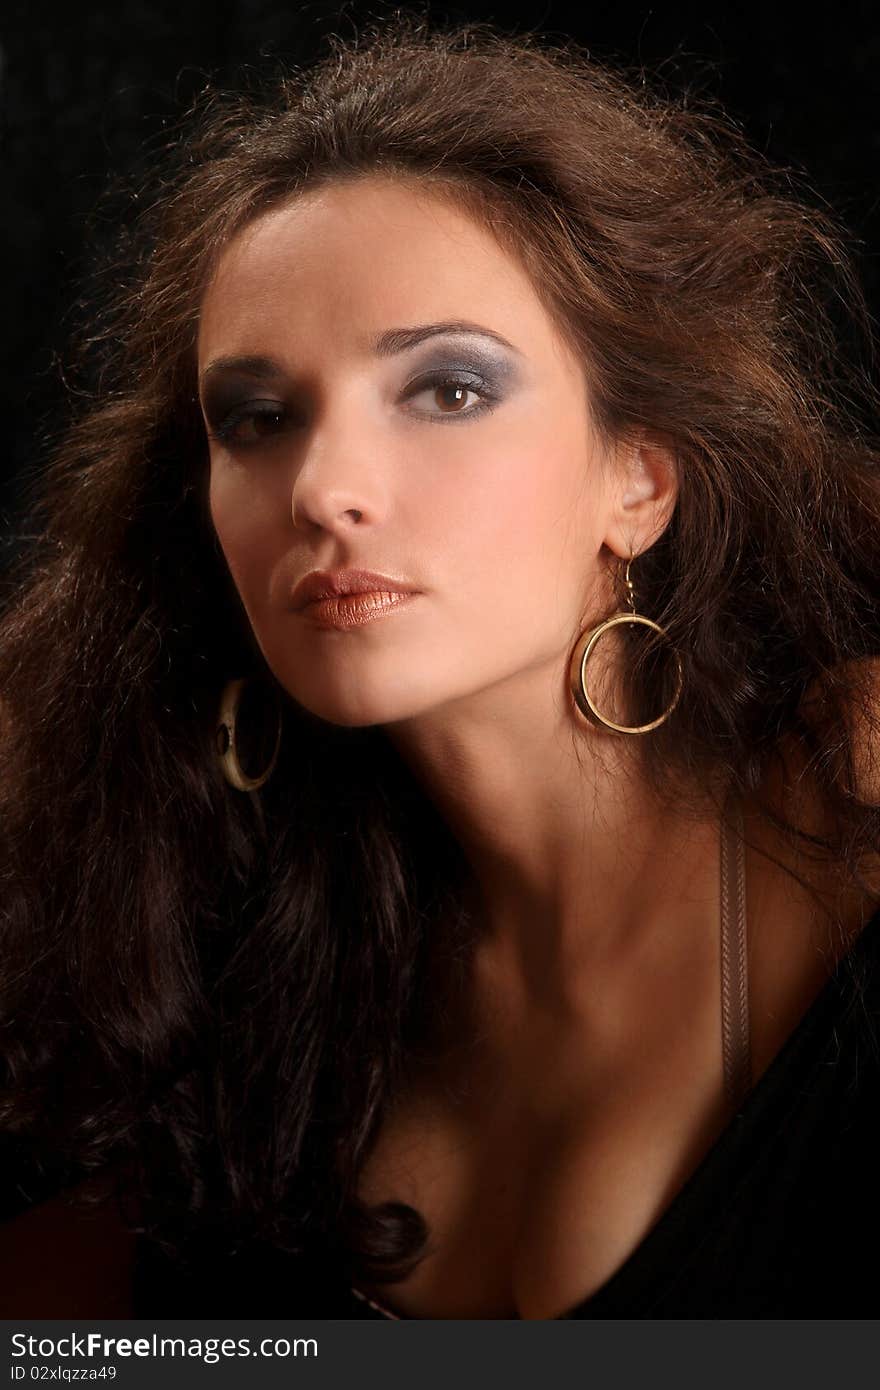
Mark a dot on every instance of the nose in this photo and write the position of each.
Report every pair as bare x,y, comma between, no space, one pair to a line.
319,498
338,483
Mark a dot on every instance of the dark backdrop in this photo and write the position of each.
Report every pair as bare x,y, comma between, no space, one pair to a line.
86,88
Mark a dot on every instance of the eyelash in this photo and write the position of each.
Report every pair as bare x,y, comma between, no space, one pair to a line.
224,432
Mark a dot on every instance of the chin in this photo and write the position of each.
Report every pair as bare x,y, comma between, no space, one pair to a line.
357,709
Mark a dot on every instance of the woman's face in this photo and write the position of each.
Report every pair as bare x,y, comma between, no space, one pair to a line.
462,464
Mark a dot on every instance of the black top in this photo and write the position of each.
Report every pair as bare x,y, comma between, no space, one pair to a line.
780,1219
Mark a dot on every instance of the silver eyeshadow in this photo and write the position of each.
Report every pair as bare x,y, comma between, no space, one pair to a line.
227,382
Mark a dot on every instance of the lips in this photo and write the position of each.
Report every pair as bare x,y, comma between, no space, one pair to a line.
322,584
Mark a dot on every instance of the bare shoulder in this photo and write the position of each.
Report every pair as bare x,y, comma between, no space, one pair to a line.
805,909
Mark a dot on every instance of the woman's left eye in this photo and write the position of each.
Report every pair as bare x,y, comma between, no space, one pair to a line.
451,393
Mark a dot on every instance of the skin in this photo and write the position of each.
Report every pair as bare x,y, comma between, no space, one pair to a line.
513,523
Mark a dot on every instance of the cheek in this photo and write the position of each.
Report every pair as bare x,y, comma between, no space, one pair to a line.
248,532
526,516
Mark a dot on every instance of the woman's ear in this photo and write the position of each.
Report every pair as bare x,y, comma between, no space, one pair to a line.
645,492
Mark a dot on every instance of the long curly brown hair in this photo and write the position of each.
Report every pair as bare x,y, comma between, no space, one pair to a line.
218,988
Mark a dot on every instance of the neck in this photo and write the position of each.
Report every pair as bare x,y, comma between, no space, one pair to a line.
574,862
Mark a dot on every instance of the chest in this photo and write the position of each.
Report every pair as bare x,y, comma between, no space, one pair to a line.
534,1194
542,1157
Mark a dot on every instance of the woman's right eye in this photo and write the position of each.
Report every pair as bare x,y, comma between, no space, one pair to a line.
250,424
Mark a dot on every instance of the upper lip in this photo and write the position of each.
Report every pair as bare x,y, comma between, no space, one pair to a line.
331,583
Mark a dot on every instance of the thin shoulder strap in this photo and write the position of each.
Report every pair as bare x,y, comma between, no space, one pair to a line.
734,958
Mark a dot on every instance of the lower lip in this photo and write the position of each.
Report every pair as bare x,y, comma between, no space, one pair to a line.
352,610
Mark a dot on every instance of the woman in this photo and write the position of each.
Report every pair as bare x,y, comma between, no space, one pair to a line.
441,864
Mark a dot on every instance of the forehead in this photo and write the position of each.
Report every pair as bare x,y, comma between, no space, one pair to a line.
356,257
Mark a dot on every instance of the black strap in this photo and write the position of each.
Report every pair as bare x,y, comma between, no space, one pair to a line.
734,958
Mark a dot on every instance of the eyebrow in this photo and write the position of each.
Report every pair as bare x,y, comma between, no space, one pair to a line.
385,344
395,340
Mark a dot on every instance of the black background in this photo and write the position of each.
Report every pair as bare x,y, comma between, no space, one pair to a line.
86,89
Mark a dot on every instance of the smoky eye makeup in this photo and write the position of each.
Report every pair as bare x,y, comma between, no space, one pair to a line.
467,355
223,394
242,411
493,365
488,373
233,399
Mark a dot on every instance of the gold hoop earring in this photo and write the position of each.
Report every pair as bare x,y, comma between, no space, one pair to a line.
225,743
584,648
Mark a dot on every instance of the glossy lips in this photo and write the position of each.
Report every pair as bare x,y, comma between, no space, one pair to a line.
348,598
